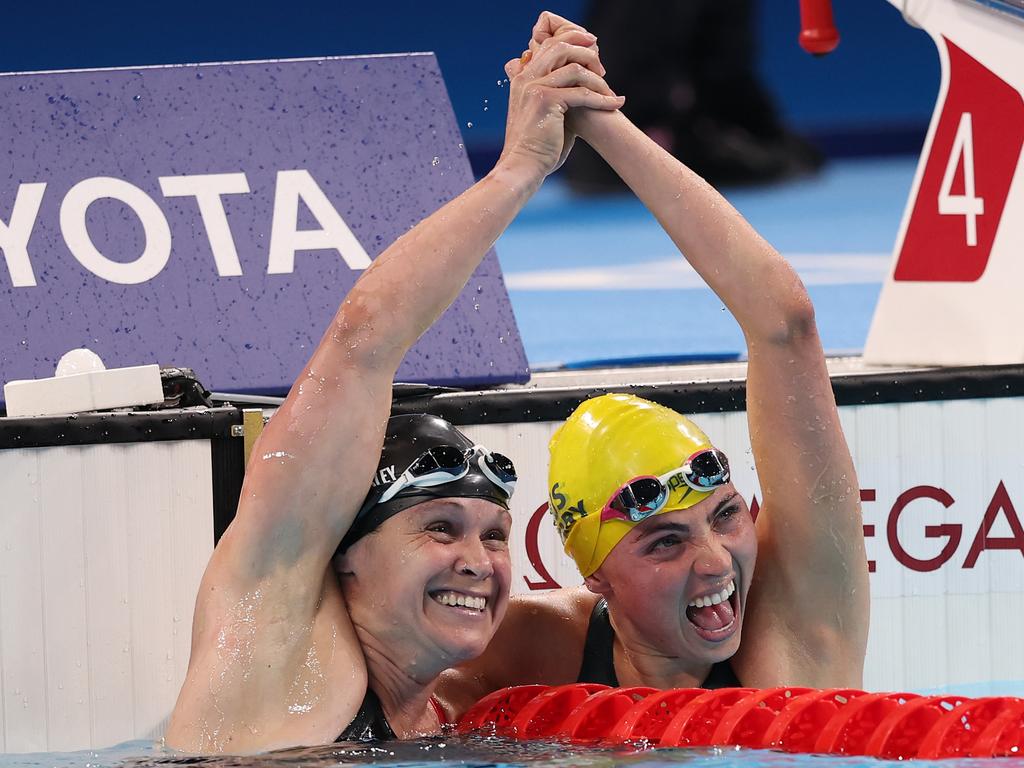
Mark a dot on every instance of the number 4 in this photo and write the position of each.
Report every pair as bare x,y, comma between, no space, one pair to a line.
967,205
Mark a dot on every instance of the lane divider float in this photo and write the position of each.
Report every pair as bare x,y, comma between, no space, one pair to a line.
838,721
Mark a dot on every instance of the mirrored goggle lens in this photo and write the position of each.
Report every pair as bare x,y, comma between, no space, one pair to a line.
502,466
445,458
640,495
708,469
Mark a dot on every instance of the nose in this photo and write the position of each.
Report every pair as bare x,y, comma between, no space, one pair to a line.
473,560
713,560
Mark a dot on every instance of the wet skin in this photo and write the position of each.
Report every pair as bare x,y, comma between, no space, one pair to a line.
661,566
392,580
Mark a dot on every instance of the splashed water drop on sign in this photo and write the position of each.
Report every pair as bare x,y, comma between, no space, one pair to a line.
436,161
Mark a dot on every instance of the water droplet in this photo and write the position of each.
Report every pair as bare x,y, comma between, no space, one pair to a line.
436,161
468,125
137,97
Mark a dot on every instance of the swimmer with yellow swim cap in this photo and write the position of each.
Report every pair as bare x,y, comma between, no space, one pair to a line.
625,459
645,505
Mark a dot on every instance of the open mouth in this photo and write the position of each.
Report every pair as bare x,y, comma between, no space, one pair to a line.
460,601
713,616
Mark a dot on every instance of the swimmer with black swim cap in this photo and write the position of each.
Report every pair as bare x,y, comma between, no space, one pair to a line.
426,465
303,630
645,504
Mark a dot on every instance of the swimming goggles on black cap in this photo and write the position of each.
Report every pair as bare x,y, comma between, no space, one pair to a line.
447,463
642,497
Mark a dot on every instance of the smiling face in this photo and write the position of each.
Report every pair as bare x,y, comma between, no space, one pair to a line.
677,582
430,586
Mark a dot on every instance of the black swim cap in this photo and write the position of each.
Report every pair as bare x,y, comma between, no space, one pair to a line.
407,439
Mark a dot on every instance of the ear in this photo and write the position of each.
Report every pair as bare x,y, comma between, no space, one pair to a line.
598,584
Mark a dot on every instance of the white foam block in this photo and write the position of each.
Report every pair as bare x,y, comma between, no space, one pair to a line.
91,391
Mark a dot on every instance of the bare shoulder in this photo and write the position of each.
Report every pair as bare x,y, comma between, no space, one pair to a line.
540,640
549,628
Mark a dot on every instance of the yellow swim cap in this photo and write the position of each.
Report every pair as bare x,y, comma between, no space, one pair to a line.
605,443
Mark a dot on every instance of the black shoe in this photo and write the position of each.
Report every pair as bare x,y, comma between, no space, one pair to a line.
728,154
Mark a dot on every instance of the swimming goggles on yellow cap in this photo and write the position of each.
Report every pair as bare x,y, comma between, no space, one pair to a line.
644,496
447,463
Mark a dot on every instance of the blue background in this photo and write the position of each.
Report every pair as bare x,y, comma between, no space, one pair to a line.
874,94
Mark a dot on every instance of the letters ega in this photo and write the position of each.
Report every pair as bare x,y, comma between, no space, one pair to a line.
208,190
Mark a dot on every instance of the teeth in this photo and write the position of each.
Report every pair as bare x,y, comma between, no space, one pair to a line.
463,601
715,599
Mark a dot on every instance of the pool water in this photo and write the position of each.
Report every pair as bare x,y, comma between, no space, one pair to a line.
471,752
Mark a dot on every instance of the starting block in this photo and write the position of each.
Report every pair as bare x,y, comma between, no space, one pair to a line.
952,295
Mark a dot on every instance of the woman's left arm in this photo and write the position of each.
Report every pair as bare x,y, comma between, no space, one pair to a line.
807,617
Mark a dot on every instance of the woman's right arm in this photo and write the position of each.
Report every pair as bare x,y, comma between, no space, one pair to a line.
264,602
313,464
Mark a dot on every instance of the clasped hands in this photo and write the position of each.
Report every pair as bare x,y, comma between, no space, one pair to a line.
559,72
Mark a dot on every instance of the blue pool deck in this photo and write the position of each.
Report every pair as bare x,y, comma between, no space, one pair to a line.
596,279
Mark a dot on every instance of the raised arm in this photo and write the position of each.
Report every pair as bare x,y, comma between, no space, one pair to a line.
807,616
270,620
313,464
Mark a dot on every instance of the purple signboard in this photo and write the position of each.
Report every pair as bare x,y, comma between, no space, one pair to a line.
214,216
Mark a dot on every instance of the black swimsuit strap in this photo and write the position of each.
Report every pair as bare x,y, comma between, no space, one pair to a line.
370,723
599,656
599,649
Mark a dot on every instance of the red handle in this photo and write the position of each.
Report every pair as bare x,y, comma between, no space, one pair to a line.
818,34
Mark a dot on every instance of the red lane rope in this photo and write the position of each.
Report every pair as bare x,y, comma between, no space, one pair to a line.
598,714
542,715
894,726
1004,736
647,719
745,723
497,710
899,735
956,733
797,726
695,723
848,731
